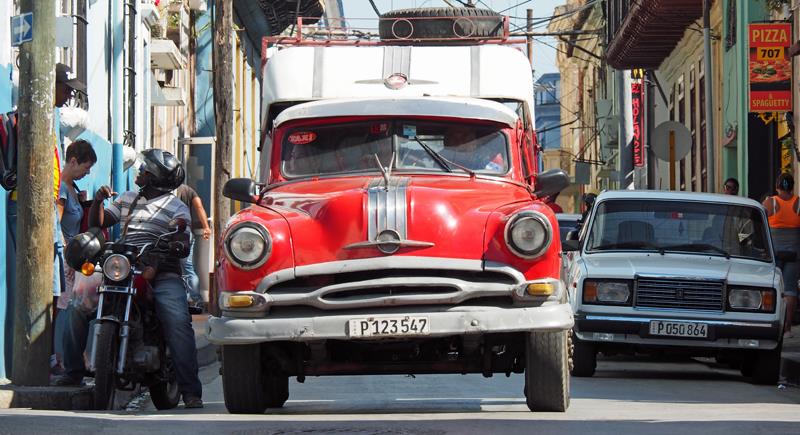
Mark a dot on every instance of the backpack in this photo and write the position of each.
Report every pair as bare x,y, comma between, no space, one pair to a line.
8,150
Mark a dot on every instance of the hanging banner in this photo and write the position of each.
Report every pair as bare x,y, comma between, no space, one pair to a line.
636,114
770,67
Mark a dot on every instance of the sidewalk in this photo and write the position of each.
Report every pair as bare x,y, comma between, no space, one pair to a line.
790,358
71,398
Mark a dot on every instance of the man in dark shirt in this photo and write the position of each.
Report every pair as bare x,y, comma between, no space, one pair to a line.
189,196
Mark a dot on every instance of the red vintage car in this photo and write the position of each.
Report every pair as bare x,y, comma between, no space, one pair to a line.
400,233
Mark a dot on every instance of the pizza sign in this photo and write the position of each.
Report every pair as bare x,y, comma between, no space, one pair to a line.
770,67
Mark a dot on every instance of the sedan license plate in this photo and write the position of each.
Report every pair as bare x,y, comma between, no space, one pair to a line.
388,326
679,329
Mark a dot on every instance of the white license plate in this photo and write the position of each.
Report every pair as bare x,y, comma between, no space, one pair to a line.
388,326
678,329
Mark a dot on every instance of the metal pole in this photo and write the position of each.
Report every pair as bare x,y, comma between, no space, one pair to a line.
35,202
712,183
117,98
529,38
650,119
625,129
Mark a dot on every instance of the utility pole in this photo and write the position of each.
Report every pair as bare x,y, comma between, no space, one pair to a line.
529,37
35,202
223,118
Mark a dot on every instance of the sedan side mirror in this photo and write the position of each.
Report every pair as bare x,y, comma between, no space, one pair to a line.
241,189
550,182
571,245
572,235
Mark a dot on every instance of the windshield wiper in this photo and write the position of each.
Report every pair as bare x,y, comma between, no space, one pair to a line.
443,162
697,246
631,244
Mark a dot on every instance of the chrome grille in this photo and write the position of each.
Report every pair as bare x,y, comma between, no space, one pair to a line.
680,294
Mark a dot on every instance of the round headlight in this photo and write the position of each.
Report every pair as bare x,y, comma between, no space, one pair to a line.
116,267
248,246
528,234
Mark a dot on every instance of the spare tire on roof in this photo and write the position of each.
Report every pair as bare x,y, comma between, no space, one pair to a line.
440,23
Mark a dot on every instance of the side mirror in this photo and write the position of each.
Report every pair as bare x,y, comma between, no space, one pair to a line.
550,182
572,235
786,256
241,189
571,245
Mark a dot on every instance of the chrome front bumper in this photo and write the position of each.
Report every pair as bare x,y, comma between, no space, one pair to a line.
455,321
634,330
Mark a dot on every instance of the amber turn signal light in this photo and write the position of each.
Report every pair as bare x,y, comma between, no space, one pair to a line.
768,300
87,269
590,291
240,301
540,289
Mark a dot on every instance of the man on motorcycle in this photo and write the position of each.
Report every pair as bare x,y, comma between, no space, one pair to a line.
141,214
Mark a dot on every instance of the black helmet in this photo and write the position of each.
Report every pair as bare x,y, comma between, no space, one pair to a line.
84,247
166,170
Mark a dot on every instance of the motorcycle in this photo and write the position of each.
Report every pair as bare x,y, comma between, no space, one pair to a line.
129,348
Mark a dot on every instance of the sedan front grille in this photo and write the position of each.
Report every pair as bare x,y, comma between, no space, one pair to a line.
680,294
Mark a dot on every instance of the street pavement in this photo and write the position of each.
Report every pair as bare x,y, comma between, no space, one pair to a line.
628,395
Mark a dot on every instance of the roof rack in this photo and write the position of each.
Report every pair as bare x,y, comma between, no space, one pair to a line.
397,31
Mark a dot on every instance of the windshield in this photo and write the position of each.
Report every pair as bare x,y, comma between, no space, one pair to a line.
679,226
416,146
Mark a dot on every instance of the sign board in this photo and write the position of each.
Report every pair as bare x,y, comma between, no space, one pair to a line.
637,144
770,67
681,137
21,28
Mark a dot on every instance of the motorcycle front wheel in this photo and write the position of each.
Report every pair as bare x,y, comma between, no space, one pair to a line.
105,377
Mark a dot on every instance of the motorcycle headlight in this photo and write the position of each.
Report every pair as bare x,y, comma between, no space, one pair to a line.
528,234
116,267
248,245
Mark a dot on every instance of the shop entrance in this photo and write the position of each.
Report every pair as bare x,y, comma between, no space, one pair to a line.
763,157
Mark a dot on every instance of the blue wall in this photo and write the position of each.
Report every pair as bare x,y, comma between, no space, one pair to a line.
5,106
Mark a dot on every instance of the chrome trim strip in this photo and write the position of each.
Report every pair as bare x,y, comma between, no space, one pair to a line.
649,319
386,206
401,243
396,59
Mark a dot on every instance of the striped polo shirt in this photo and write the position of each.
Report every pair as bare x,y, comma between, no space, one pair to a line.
149,219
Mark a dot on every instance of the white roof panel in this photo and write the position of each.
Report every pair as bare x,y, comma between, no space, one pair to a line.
455,107
672,195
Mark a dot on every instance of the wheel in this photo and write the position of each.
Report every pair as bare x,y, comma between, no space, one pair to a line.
166,395
105,375
246,385
767,366
584,359
547,371
449,23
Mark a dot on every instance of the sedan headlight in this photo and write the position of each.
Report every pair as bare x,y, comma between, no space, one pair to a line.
248,245
528,234
607,292
751,299
116,267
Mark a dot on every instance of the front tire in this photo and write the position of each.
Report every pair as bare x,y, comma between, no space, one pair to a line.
547,371
767,366
246,385
105,378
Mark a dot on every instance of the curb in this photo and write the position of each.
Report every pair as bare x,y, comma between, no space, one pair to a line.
80,399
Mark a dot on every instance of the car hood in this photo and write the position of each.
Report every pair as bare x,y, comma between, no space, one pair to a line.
434,216
688,266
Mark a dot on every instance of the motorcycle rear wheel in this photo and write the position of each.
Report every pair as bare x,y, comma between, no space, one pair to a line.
105,378
166,395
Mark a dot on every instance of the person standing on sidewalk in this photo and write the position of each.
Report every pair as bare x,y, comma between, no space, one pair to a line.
80,157
199,224
783,211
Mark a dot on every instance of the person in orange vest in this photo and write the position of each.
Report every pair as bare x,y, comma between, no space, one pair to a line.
783,211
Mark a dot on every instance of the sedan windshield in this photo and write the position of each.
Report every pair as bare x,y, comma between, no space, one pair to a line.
679,226
415,146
